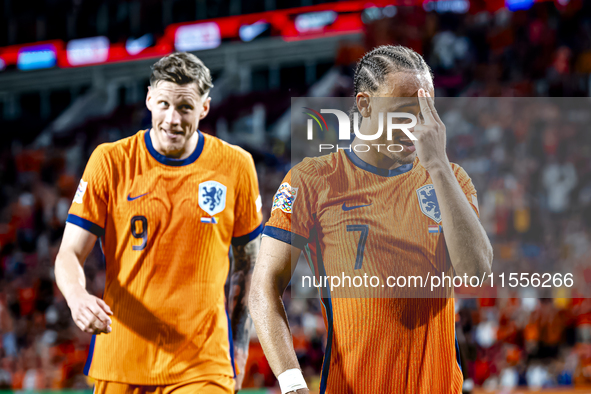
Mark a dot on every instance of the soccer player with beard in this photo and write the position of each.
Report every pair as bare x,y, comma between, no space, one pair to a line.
379,213
167,204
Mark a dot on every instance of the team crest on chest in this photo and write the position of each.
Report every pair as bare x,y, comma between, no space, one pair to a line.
428,202
212,197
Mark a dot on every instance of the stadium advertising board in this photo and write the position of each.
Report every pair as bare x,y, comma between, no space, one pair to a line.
86,51
197,37
290,24
37,57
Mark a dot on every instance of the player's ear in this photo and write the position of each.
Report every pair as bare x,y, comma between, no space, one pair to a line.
363,102
148,98
206,106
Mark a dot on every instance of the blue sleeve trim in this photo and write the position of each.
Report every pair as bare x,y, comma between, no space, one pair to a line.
243,240
86,225
231,341
90,355
285,236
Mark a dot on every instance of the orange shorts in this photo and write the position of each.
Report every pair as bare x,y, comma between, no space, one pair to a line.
206,385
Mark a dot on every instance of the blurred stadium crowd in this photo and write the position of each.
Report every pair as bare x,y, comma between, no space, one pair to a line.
532,172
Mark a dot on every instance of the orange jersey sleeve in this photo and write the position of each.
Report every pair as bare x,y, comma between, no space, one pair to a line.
467,186
247,211
295,205
89,207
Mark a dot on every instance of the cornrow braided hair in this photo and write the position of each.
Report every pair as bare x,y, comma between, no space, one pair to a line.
371,71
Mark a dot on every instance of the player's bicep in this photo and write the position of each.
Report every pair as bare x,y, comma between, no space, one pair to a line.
274,264
77,241
245,255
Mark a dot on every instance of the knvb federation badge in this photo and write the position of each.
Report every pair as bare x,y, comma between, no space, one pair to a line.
212,197
428,202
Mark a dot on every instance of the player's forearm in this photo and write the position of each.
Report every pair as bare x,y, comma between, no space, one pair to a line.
244,261
69,274
271,277
272,328
468,245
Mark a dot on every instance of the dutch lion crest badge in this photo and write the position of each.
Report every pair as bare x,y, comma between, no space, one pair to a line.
428,202
212,197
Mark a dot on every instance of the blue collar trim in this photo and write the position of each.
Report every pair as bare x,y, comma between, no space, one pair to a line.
375,170
170,161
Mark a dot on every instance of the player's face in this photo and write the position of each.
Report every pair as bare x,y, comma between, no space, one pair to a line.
176,112
398,93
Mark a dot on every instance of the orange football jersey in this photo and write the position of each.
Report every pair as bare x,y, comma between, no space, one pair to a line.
351,219
166,227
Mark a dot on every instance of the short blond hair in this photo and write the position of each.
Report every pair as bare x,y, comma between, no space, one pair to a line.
182,68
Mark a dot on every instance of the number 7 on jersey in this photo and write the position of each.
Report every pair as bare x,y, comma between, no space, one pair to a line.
364,228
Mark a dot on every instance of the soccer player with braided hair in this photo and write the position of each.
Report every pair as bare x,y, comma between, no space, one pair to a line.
380,213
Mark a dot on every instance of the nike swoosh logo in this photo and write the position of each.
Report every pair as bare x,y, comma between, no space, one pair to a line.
136,46
129,198
250,32
346,208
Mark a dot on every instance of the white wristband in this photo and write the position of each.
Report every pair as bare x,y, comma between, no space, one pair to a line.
291,380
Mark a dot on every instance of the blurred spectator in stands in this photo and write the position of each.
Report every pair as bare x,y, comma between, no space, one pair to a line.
559,180
5,372
537,376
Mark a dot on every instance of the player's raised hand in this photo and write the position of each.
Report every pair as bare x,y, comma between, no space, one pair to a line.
90,313
430,144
